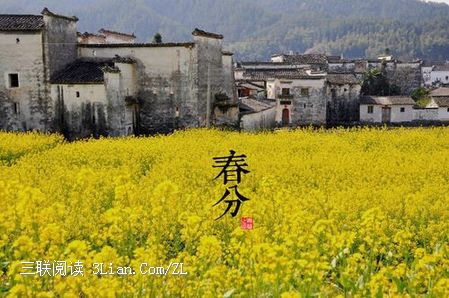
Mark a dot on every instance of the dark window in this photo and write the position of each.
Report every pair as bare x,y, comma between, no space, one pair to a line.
370,109
77,94
17,40
13,80
448,110
402,110
334,93
305,106
304,91
285,91
16,108
447,78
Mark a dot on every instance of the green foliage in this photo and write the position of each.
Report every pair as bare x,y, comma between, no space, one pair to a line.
375,82
157,38
421,97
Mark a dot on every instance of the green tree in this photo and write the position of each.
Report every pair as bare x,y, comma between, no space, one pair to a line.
375,82
421,97
157,38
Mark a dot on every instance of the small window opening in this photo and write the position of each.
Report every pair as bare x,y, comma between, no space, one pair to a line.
13,80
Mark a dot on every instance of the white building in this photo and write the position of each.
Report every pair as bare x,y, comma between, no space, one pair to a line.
440,100
440,74
442,103
386,109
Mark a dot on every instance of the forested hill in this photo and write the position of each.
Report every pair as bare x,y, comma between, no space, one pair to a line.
255,29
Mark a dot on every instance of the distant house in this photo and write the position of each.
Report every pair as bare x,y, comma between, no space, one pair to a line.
440,74
442,104
386,109
442,91
105,37
300,96
111,87
317,62
98,94
439,99
343,93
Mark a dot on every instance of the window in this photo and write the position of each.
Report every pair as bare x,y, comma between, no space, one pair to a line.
77,94
17,40
370,109
305,106
402,110
304,91
16,108
13,79
285,91
448,110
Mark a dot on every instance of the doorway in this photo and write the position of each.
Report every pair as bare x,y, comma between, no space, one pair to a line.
285,117
386,114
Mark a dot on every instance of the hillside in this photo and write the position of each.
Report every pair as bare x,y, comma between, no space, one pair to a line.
255,29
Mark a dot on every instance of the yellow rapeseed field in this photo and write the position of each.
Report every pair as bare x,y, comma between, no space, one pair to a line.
350,213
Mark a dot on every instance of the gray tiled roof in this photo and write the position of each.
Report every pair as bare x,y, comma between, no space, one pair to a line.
263,74
387,100
21,22
83,71
342,79
306,59
106,31
442,102
199,32
443,91
444,67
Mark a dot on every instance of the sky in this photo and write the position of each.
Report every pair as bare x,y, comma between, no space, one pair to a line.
442,1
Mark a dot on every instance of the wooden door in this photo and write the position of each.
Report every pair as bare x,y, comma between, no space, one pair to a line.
386,114
285,117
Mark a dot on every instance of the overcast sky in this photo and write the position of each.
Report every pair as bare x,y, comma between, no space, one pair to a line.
444,1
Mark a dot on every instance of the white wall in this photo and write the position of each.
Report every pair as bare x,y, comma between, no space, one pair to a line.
25,58
158,61
425,114
398,116
88,93
442,76
443,114
258,121
376,116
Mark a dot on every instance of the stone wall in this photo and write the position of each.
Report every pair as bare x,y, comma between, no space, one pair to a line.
174,81
82,116
425,114
407,76
303,109
258,121
21,53
343,104
166,81
60,42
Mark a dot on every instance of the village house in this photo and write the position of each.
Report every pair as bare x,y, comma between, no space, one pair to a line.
112,87
343,98
32,49
433,79
440,75
386,109
442,104
439,101
303,93
105,37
